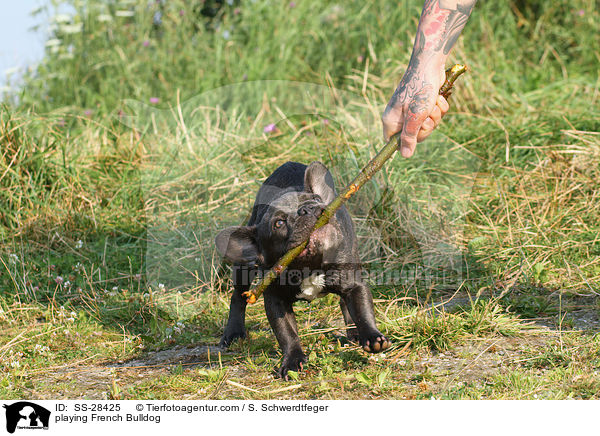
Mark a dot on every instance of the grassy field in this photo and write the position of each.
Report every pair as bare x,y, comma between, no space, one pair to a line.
142,134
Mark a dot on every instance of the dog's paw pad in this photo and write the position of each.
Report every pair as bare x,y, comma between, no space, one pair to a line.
376,344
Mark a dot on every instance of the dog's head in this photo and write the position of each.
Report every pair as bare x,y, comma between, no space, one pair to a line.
285,224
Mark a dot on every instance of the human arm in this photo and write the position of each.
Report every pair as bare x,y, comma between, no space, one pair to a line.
415,108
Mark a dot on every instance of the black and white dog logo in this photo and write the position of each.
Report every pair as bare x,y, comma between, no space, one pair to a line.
26,415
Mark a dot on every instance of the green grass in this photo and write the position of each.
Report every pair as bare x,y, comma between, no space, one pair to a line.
109,203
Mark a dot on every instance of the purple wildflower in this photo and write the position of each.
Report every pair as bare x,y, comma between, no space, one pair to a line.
270,128
581,12
146,43
154,100
292,4
181,13
88,113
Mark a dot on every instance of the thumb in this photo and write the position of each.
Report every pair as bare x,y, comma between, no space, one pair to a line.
392,121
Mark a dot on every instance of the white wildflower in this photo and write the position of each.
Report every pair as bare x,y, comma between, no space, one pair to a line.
61,18
53,42
71,28
41,349
124,13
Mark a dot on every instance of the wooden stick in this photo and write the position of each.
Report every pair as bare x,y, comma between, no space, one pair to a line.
364,176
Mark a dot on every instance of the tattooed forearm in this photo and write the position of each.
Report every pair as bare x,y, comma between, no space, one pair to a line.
440,25
413,101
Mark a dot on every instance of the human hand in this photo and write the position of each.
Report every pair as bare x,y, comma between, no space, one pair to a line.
416,108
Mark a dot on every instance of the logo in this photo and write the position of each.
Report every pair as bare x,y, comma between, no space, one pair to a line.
26,415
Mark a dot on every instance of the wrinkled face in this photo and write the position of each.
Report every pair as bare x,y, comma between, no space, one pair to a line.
286,223
289,221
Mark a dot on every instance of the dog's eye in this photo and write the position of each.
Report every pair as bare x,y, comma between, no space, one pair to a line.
277,224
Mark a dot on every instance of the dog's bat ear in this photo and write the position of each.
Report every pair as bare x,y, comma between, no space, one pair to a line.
318,180
238,244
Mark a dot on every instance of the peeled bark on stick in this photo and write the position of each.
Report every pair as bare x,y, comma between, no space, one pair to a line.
364,176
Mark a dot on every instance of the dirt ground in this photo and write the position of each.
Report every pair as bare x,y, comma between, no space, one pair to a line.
473,363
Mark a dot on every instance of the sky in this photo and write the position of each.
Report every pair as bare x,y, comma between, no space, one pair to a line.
19,45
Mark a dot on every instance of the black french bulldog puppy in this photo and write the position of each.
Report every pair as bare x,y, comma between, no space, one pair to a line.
285,210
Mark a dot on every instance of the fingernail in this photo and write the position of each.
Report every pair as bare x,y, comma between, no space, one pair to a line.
405,152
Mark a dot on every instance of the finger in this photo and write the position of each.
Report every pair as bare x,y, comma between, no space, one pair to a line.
436,116
426,130
410,130
428,124
442,103
433,121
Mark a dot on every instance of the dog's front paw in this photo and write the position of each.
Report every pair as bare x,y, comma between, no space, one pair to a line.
231,335
293,361
375,343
